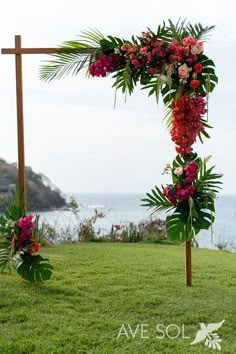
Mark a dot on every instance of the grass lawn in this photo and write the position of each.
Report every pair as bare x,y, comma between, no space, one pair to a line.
98,287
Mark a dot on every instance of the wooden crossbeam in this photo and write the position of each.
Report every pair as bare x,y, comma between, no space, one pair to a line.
44,50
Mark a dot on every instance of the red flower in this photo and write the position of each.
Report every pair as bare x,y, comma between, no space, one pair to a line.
186,124
194,84
198,68
117,227
152,71
34,247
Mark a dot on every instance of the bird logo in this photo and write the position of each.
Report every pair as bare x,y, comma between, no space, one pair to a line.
209,335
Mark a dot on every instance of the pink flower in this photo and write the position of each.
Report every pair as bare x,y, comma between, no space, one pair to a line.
23,237
135,63
179,171
189,40
190,172
197,48
26,222
183,71
144,50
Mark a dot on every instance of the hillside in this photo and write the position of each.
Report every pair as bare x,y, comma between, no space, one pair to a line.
42,194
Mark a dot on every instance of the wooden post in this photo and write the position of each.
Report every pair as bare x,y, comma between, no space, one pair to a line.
188,260
18,51
20,124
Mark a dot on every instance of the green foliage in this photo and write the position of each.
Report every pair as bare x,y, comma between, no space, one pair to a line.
184,29
72,56
33,268
125,80
156,201
76,55
196,213
4,257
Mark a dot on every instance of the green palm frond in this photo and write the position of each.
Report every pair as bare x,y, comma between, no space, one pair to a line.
208,181
91,38
72,56
124,80
178,30
168,117
156,201
4,258
153,85
183,29
199,32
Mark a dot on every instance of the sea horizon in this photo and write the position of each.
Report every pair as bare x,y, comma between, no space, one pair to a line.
122,208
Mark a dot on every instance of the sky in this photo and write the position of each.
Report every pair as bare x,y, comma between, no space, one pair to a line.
72,132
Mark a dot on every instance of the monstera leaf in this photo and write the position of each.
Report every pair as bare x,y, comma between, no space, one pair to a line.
179,230
33,268
4,258
175,227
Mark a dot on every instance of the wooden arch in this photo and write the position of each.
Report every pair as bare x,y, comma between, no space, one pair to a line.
18,51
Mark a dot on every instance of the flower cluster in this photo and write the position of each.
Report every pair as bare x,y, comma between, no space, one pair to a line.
190,172
151,56
18,231
175,193
187,112
23,238
184,188
104,65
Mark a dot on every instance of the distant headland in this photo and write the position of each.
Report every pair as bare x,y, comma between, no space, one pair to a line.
42,194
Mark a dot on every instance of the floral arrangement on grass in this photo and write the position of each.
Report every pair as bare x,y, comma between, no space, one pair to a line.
18,246
170,61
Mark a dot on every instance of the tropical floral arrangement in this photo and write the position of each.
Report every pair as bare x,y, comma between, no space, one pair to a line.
18,246
170,61
190,195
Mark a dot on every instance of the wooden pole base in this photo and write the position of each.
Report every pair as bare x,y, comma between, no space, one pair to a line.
188,263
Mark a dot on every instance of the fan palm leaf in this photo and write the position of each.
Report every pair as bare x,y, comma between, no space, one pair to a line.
72,56
183,29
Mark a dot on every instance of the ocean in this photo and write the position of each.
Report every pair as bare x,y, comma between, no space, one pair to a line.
124,208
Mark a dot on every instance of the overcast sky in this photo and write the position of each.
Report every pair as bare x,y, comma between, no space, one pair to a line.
72,133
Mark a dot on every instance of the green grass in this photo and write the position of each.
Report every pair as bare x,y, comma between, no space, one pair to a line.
98,287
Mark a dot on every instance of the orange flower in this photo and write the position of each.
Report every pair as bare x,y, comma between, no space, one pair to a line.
34,247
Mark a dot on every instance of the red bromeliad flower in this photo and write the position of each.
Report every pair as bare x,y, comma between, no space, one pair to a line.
186,124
